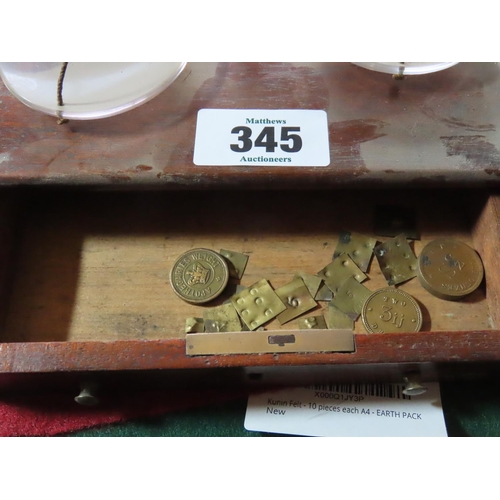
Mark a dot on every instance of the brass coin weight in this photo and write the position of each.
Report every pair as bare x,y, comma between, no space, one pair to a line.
258,304
199,275
312,282
323,293
223,318
396,259
237,262
390,310
449,269
357,246
336,319
337,272
297,299
350,298
195,325
312,323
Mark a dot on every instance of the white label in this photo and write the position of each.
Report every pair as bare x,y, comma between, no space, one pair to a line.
259,137
364,410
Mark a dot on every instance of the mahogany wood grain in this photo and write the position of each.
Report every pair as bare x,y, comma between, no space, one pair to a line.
10,207
79,268
90,271
170,354
95,266
486,236
439,129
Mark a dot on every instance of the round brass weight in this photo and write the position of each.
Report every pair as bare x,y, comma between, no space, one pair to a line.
449,269
199,275
390,310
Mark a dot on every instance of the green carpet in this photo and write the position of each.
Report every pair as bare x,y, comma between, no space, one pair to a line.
470,409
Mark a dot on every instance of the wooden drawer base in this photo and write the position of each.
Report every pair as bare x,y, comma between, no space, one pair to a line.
85,275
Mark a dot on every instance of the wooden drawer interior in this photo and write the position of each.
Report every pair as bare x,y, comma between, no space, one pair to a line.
94,266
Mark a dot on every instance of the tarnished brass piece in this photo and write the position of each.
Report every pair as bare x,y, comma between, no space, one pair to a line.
296,298
199,275
449,269
357,246
397,260
195,325
212,326
339,271
336,319
324,293
233,289
312,323
236,263
390,310
311,281
222,318
262,342
392,220
258,304
351,297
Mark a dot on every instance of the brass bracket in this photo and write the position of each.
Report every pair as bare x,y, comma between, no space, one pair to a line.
272,342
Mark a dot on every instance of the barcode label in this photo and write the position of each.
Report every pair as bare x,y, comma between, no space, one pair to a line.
394,391
352,409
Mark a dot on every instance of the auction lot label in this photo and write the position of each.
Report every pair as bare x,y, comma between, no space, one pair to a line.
257,137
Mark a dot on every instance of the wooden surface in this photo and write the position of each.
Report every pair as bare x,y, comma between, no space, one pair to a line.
10,208
430,130
90,270
411,348
95,266
486,237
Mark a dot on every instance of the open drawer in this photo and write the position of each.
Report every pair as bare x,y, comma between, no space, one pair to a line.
85,277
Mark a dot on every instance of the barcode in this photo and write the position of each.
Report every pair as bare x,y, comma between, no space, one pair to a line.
394,391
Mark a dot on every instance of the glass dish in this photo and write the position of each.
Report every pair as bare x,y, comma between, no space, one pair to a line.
89,90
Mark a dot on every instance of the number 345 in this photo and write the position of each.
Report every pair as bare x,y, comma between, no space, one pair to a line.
290,142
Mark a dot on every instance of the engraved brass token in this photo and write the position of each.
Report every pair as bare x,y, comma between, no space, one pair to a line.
258,304
339,271
390,310
324,294
297,299
312,323
199,275
311,281
336,319
449,269
351,297
195,325
237,262
233,289
397,260
222,318
357,246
